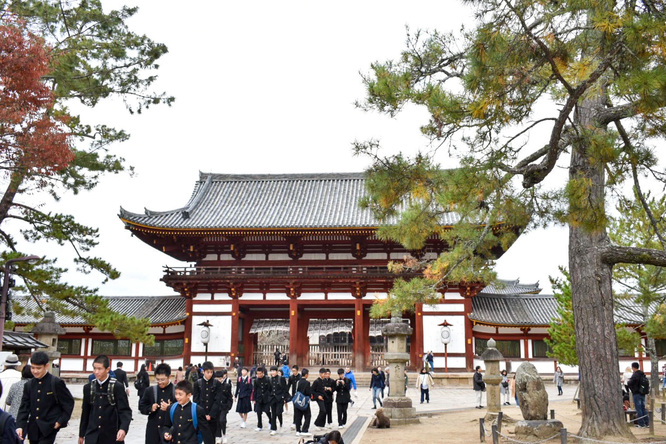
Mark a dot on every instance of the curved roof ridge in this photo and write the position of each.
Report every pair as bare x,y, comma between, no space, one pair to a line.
222,177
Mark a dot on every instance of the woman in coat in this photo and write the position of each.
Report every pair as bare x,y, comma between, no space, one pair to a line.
143,381
376,385
424,382
558,379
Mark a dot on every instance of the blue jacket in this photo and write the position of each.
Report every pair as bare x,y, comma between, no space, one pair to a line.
352,378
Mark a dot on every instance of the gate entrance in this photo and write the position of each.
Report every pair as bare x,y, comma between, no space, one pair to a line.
272,342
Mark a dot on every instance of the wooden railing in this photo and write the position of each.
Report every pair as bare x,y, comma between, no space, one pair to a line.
264,354
249,272
330,355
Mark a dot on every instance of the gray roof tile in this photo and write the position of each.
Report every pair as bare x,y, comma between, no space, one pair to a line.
14,340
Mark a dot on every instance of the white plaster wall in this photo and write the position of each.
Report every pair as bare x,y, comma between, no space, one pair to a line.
71,364
175,329
252,296
254,257
314,256
222,297
340,296
203,296
431,334
312,296
174,364
277,297
453,362
444,307
341,256
278,257
220,334
380,256
453,296
217,308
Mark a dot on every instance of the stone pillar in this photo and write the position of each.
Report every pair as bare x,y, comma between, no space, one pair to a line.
397,406
47,331
492,357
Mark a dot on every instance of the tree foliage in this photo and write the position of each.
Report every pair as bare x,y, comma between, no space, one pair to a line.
91,55
532,88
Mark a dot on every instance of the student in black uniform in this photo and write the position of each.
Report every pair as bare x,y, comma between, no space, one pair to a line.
156,402
276,399
206,392
319,393
226,400
342,397
262,393
185,427
303,386
121,376
106,414
46,405
329,388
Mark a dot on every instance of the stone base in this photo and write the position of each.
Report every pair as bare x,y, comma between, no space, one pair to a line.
397,402
400,411
537,430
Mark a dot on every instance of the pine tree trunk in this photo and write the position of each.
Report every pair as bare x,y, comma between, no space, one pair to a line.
592,297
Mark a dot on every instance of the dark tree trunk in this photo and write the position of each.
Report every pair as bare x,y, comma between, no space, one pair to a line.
592,297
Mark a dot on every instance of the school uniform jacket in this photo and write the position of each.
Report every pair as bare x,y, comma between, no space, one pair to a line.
262,390
39,410
182,429
100,420
244,389
303,386
329,383
206,395
226,399
293,380
342,391
121,376
158,419
278,389
318,389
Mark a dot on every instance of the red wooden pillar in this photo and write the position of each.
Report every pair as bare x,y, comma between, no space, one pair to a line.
294,336
417,345
235,314
187,349
469,336
360,336
366,336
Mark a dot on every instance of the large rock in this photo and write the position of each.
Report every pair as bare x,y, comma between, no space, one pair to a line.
537,430
532,394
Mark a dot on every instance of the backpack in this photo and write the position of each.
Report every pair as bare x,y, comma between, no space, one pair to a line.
195,421
109,391
301,402
644,385
4,417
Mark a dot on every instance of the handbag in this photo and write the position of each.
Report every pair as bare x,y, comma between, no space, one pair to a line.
301,402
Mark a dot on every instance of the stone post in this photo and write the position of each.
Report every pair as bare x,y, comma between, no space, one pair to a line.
47,331
397,406
492,357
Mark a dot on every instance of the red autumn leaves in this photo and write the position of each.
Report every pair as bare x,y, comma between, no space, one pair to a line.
33,138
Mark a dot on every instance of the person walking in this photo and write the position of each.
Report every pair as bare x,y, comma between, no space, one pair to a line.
278,391
243,396
479,386
206,395
304,415
349,374
16,392
187,419
54,410
8,377
425,383
8,431
342,397
156,402
637,385
262,394
382,375
142,381
318,395
277,355
558,379
121,377
180,376
505,392
513,389
329,389
387,373
105,413
431,361
376,385
226,400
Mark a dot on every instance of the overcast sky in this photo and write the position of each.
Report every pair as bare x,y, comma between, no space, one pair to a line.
262,87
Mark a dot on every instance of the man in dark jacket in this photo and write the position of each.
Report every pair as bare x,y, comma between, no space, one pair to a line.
294,377
634,385
303,386
342,397
479,386
262,394
44,411
329,389
106,414
319,393
226,401
206,393
276,400
156,402
121,376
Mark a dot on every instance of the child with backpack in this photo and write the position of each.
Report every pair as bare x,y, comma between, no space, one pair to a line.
188,420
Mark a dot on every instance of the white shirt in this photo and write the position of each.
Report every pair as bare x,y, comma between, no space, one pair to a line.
8,377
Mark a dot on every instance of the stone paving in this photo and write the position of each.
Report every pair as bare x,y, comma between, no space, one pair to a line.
441,399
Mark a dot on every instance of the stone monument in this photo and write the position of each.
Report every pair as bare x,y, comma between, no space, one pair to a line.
47,331
533,400
397,406
492,357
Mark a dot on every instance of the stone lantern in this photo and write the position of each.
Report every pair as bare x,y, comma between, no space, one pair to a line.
397,406
47,331
492,357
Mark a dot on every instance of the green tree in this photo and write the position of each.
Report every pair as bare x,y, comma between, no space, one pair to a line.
93,55
533,85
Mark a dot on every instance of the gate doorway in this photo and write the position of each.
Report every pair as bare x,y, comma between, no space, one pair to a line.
272,337
331,342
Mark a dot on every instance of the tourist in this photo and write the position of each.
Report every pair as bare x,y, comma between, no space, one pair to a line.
342,397
121,376
303,386
431,361
226,401
479,386
333,437
505,393
180,376
142,381
376,385
55,409
16,392
639,397
329,388
424,382
319,394
188,419
626,376
513,389
294,377
406,382
349,374
382,375
262,394
9,376
105,414
558,379
8,430
206,393
277,356
387,372
156,402
243,396
278,391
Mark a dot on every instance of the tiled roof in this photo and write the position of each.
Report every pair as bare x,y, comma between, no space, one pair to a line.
502,286
159,309
15,340
230,201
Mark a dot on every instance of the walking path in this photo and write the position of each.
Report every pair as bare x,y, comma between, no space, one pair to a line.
441,399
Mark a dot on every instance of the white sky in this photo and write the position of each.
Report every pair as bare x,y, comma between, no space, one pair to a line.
261,87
